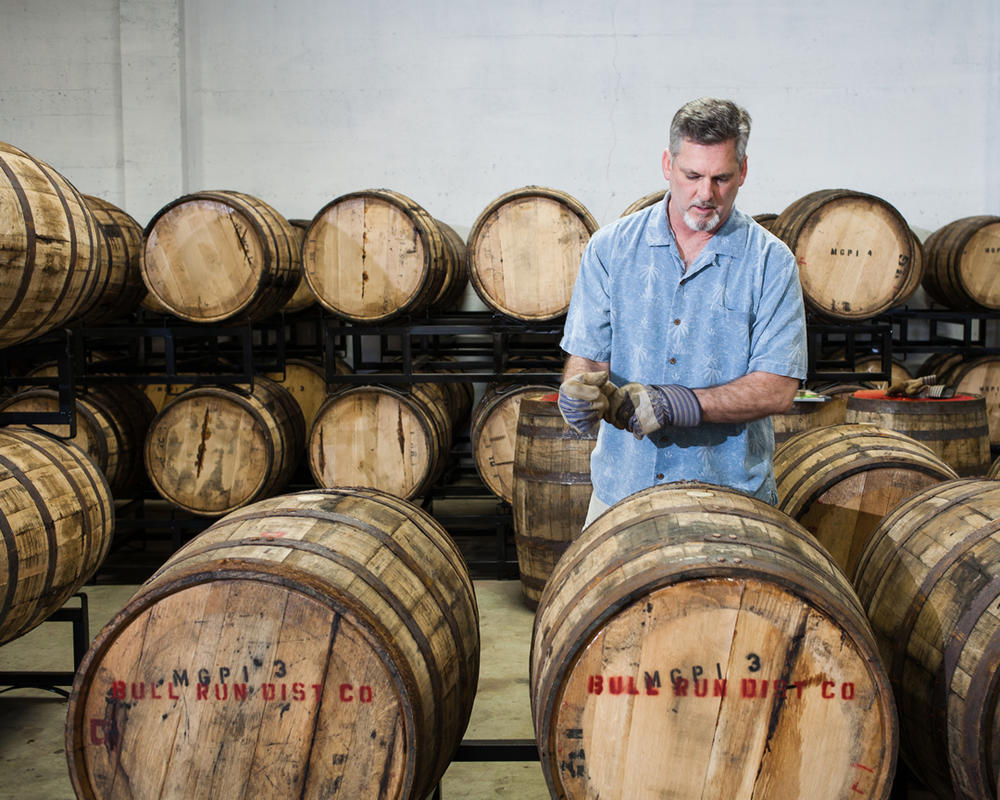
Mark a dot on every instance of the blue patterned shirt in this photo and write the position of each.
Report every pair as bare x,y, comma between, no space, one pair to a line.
737,309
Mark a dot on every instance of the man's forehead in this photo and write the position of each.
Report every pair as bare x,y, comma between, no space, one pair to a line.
721,155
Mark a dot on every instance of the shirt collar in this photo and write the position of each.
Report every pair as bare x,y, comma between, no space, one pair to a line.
726,241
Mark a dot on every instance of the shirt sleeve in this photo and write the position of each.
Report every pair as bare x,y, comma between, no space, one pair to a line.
587,330
778,335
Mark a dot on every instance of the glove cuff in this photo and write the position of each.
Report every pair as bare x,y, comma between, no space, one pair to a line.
683,403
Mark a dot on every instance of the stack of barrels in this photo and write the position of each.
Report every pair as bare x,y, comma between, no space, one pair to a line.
69,259
229,257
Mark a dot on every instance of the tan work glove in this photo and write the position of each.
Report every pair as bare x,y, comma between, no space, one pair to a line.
642,409
910,387
920,387
583,400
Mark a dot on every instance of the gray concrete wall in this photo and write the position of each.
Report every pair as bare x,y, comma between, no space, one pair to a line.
454,102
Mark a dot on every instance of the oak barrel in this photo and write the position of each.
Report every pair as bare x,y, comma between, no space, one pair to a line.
524,252
214,449
837,359
50,248
319,644
306,380
765,220
930,582
373,255
160,394
645,201
834,409
218,256
493,433
963,264
805,415
696,642
915,275
840,481
111,425
120,289
551,490
980,376
955,428
855,252
56,523
898,371
393,439
303,296
940,365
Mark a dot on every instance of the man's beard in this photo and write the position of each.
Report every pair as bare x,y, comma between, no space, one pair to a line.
704,224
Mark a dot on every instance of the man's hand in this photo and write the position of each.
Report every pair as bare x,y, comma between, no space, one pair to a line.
583,400
642,409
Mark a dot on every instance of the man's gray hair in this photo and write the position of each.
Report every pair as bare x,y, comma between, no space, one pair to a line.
710,120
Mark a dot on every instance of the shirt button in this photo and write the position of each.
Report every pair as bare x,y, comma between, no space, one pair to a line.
677,322
673,361
659,476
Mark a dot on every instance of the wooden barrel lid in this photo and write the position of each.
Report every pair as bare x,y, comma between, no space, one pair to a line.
524,252
215,256
854,252
214,449
378,437
877,398
494,433
372,255
289,682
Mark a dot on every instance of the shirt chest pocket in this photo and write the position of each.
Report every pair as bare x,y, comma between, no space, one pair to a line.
725,334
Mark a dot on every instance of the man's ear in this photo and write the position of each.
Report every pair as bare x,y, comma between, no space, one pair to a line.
666,165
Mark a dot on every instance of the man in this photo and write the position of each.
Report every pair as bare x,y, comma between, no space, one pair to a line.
686,328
